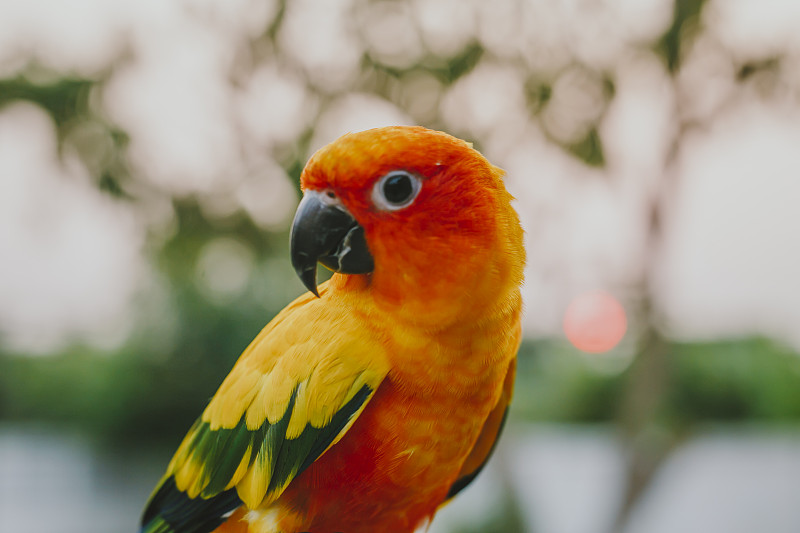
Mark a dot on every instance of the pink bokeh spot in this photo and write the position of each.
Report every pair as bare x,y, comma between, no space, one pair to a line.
595,322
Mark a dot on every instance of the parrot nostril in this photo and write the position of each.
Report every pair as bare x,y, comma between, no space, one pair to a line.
329,197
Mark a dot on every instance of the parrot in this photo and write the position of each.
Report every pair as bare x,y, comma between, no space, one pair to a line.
373,399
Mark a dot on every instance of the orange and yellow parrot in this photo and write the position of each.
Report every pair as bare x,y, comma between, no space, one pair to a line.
368,403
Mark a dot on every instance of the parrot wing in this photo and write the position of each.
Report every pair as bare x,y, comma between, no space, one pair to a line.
294,392
484,446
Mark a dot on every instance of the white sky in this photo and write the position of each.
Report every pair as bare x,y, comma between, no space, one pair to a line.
72,259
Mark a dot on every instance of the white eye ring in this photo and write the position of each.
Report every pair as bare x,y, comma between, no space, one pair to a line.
396,190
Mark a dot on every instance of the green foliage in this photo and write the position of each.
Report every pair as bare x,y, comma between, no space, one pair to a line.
462,63
685,20
537,94
589,149
507,518
734,380
555,382
123,398
135,396
64,98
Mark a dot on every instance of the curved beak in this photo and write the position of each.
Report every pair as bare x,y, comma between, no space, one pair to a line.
324,231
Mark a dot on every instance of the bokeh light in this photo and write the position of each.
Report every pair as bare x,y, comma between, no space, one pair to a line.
595,322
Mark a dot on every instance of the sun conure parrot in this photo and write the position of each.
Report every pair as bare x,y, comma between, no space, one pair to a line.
372,400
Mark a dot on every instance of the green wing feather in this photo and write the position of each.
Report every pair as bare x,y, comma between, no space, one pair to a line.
293,393
211,461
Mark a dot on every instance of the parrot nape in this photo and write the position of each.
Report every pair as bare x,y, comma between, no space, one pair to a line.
369,402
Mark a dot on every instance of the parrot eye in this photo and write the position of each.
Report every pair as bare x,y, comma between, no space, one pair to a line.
396,190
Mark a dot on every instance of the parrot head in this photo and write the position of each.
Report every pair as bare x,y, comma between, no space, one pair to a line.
399,210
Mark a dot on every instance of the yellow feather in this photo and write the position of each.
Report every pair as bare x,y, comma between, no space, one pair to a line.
299,419
235,395
272,400
253,486
192,477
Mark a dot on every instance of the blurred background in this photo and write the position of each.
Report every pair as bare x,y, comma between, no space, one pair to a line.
149,161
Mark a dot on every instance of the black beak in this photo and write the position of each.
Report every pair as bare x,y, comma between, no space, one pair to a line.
324,231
